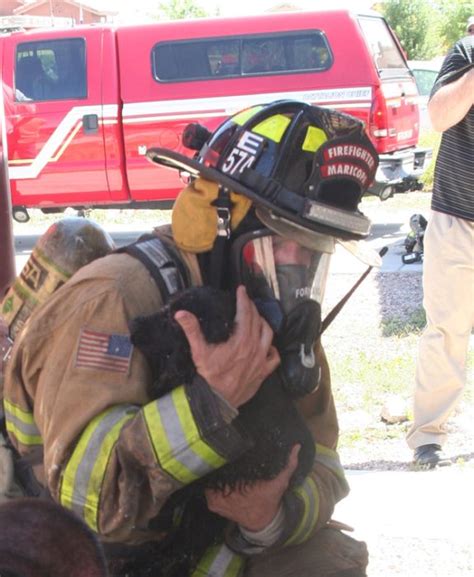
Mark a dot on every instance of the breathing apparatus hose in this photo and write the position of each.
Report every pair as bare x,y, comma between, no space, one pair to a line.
337,309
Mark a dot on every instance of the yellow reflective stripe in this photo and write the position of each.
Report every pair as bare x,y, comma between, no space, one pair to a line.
330,459
163,449
69,475
91,505
19,413
191,431
175,437
273,128
21,424
21,437
308,493
202,569
314,138
219,561
84,474
236,566
241,117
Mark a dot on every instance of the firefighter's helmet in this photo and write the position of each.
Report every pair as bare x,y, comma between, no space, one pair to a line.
304,167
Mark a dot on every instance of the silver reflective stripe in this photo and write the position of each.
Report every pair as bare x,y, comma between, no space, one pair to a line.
329,459
157,253
219,561
21,424
177,439
84,473
221,564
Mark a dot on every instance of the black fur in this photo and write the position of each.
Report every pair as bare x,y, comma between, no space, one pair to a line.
269,422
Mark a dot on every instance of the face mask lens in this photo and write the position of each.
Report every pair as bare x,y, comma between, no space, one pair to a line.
278,270
286,282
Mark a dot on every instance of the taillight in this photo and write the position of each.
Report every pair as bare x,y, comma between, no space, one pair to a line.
378,120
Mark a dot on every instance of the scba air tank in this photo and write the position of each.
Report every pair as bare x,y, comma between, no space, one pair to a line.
64,248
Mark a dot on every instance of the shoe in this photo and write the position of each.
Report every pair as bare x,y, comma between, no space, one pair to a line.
430,456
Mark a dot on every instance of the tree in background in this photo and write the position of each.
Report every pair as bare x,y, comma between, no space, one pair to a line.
453,19
416,24
426,28
178,10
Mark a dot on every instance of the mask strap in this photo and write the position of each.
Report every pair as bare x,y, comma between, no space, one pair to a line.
223,206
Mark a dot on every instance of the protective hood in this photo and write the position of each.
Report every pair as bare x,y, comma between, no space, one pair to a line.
194,218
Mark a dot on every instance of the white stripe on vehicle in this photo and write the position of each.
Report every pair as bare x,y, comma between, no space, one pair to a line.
183,109
227,105
59,137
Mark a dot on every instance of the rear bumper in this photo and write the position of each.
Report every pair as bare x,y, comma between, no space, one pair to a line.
400,171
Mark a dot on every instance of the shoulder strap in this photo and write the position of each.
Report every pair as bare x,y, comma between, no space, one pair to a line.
162,262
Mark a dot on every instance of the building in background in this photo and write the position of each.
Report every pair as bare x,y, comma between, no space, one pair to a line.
28,14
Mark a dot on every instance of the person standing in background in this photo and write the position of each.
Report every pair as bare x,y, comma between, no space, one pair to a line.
470,25
448,270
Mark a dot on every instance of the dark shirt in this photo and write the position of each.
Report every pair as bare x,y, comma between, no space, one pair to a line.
453,189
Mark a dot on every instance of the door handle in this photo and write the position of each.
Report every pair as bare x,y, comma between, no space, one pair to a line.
90,123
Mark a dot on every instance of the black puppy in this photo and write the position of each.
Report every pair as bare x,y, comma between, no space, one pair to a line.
270,420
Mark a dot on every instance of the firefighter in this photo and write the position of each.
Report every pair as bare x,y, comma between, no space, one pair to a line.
271,191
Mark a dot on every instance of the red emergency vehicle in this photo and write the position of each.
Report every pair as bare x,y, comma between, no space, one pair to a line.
82,105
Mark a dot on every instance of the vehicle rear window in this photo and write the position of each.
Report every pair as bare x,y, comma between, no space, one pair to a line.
51,70
385,51
241,56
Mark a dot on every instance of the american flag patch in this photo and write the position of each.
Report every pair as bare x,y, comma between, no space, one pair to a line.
104,352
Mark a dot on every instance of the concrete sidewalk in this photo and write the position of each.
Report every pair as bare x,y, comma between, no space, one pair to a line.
416,524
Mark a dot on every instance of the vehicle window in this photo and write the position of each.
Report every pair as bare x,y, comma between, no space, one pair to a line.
51,70
424,80
241,56
385,52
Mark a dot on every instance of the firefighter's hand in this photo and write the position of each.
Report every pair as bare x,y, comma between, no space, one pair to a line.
235,369
254,507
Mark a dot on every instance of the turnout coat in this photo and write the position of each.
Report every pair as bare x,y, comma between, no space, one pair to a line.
77,403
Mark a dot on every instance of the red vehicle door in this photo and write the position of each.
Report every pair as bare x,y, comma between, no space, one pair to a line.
54,118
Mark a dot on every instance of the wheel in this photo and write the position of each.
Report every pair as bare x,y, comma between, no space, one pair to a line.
386,193
20,214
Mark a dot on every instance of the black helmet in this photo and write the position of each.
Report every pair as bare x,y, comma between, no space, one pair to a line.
304,167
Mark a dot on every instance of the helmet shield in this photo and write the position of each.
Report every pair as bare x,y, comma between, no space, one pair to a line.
304,165
279,270
286,281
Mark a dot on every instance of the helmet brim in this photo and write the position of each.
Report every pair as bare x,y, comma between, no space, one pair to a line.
320,217
316,241
308,238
